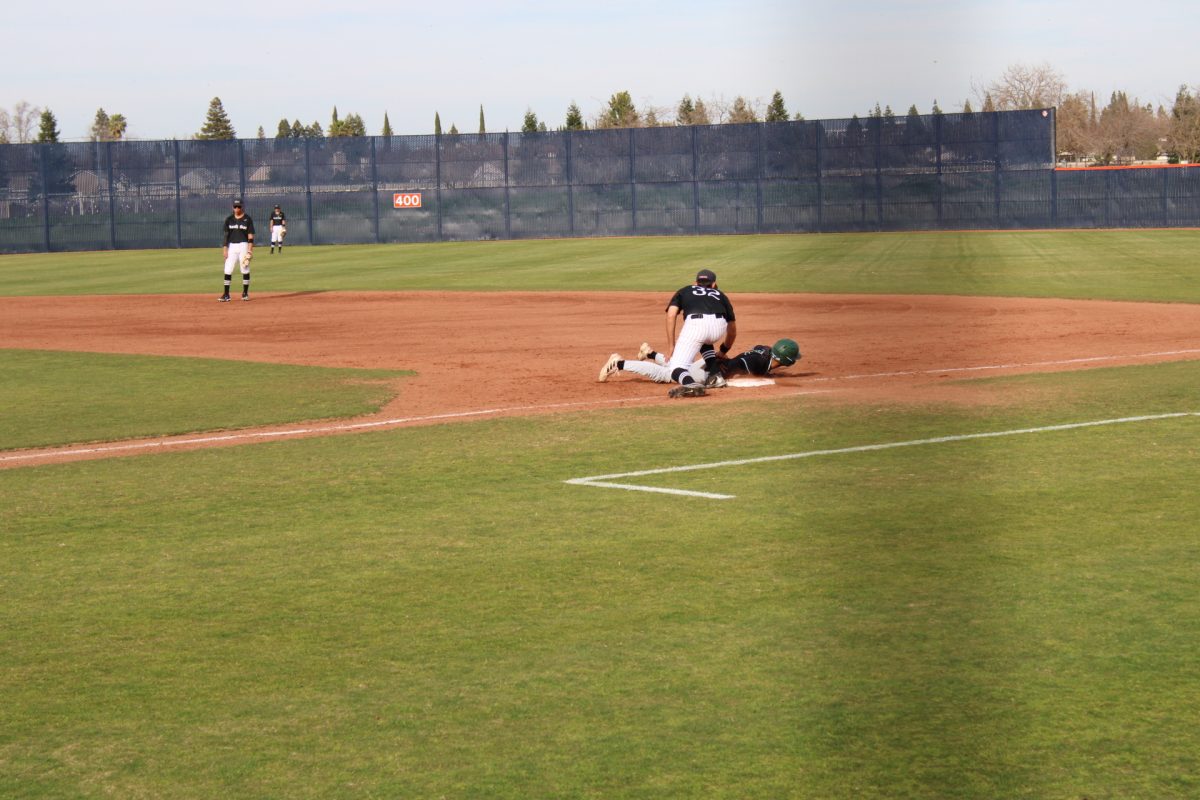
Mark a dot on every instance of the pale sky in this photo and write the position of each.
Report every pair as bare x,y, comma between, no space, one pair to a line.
160,63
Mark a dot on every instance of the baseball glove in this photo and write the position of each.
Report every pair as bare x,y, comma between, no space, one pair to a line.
246,256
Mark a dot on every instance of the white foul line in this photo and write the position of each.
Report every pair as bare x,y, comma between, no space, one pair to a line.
603,481
1088,360
320,429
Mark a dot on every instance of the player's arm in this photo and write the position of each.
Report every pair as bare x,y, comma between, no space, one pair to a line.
730,336
249,234
672,318
225,240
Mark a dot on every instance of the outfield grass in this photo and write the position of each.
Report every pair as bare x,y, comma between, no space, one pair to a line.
432,612
1124,264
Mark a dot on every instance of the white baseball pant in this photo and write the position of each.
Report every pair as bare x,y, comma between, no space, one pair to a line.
698,330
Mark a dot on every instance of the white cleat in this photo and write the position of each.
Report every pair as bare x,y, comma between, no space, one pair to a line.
644,351
610,368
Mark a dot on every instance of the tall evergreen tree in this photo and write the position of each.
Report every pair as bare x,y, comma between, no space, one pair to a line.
387,126
437,124
284,130
261,133
335,125
620,112
100,127
482,127
297,130
47,128
574,117
50,160
216,123
453,130
777,111
530,125
685,111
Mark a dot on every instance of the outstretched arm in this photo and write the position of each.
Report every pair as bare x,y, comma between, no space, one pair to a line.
672,316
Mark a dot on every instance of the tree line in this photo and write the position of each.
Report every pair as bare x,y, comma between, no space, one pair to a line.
1121,130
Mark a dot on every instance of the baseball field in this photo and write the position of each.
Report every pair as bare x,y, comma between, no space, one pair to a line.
380,533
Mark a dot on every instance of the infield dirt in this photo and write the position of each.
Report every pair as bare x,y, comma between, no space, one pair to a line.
518,353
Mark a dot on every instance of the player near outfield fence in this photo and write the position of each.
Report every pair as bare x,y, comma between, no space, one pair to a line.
278,229
238,248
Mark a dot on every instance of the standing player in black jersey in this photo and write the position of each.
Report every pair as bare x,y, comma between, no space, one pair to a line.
238,248
707,320
278,229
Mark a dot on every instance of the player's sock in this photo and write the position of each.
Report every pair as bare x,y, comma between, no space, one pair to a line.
228,280
621,364
246,284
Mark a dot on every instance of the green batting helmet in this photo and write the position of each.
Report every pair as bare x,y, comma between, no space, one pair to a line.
786,352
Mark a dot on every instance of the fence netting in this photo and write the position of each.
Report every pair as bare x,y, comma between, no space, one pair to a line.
945,171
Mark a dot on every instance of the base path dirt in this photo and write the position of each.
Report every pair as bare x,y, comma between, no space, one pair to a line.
508,353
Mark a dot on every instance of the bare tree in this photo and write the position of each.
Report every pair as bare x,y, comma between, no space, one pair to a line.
1075,126
4,126
1127,131
23,121
1024,86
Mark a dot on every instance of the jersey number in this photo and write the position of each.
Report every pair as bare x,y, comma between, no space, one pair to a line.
705,291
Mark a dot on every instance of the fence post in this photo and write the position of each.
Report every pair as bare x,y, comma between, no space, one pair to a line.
375,187
878,174
437,171
695,182
820,129
507,201
632,184
1165,215
1107,195
570,187
941,190
242,170
178,199
996,170
112,204
43,149
761,158
1053,197
308,191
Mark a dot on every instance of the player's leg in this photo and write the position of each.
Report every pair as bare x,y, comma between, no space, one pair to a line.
655,372
245,275
231,258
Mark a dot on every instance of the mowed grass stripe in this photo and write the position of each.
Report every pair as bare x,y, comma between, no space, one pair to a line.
1113,264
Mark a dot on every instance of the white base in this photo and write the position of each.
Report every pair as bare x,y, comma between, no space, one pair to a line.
744,382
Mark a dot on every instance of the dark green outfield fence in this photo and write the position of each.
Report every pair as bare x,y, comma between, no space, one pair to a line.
946,171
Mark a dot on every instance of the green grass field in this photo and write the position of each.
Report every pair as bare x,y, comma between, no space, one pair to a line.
433,612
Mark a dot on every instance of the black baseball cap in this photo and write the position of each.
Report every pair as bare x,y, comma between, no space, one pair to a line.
277,205
706,277
237,203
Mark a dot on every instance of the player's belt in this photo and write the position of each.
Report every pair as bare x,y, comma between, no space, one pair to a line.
702,316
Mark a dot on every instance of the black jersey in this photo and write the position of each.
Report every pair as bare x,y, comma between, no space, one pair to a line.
697,299
278,218
238,230
755,361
